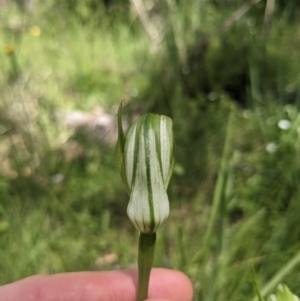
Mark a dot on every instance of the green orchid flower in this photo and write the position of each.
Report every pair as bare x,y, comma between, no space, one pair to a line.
146,160
283,293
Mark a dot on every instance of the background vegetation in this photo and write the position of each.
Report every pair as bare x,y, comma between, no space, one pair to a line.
227,72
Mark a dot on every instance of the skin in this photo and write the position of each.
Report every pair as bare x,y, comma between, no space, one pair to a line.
165,285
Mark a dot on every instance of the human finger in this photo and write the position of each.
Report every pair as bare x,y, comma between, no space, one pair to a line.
97,286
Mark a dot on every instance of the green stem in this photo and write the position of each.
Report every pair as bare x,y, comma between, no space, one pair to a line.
145,261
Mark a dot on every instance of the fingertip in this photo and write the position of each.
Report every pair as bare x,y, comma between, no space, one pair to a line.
165,285
170,285
155,299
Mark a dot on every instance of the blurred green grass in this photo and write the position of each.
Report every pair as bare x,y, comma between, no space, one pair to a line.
234,194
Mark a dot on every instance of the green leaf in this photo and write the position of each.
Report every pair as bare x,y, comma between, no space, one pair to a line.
119,151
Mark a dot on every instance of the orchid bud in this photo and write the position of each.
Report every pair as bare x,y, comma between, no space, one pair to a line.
283,293
146,160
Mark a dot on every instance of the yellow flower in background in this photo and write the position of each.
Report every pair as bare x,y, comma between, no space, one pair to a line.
35,31
9,48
